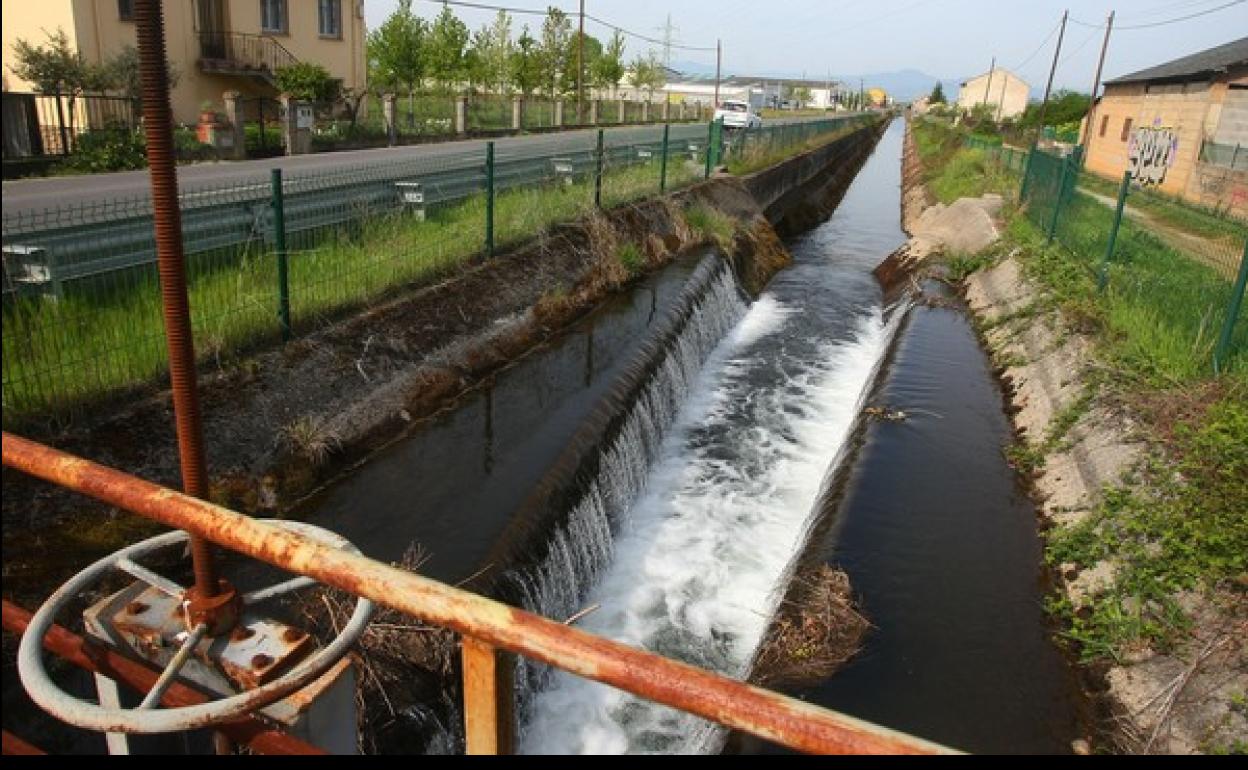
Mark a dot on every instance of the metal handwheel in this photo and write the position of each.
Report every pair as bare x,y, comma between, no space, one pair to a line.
147,718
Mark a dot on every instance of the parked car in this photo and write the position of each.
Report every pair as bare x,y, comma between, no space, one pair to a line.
737,114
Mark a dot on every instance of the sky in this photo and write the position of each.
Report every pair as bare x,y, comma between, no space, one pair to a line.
948,39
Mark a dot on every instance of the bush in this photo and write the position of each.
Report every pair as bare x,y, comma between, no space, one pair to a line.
119,149
188,148
309,82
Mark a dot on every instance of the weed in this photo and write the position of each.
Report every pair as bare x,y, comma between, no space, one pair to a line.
631,258
711,225
311,439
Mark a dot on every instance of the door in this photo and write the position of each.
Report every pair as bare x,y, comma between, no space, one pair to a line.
210,22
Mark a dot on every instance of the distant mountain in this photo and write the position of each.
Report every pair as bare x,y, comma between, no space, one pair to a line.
904,85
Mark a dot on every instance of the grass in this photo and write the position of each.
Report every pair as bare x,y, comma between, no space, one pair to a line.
760,149
711,224
106,336
1182,526
1162,312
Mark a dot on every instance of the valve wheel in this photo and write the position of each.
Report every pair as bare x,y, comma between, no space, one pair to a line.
146,717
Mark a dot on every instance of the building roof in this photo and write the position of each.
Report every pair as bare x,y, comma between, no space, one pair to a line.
1212,61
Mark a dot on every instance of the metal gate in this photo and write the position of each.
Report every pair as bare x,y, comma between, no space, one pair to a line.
262,127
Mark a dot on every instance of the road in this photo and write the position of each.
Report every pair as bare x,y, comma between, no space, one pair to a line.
32,195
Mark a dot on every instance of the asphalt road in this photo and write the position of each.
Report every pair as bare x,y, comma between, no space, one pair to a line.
43,194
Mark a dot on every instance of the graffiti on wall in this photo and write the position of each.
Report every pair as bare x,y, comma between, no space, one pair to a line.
1151,153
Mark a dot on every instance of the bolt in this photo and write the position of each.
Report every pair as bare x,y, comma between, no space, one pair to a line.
136,608
293,635
261,661
241,633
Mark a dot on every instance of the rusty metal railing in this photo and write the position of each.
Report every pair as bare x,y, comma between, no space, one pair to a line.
487,626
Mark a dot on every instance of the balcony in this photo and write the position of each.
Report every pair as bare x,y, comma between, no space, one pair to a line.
237,53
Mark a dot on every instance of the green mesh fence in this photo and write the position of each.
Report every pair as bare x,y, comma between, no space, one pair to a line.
81,305
754,148
1173,272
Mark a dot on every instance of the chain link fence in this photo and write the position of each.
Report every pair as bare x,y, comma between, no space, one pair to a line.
1171,268
277,257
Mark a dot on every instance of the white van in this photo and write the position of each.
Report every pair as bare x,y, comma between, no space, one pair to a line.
736,114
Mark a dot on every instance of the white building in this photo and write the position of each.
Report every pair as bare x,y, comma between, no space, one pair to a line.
1001,89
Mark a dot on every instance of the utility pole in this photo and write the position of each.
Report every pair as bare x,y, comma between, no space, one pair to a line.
988,86
719,61
669,36
1096,84
1048,87
580,68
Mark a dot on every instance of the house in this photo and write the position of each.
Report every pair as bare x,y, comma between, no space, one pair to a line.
1002,90
214,45
1181,127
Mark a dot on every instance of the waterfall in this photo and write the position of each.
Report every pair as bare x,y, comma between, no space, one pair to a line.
580,548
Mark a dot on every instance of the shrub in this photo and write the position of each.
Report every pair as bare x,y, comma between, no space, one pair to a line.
110,149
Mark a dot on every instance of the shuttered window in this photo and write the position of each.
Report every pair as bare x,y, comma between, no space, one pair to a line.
330,17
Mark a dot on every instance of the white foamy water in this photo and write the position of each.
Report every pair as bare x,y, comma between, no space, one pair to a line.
707,542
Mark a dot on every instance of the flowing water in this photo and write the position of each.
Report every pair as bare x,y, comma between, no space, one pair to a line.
705,544
734,454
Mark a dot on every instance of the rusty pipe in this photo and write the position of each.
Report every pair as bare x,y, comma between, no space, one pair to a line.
171,263
766,714
250,732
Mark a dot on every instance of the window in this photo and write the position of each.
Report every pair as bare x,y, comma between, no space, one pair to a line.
1126,130
125,10
273,16
1104,124
330,13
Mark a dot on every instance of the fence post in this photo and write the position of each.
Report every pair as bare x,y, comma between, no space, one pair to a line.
667,129
598,159
489,199
1232,313
517,113
60,124
712,146
279,243
489,699
233,101
389,111
461,115
1102,279
1057,202
1022,193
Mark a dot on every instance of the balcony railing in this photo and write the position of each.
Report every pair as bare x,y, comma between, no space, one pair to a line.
238,51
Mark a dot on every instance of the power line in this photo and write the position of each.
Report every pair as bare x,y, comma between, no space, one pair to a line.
1039,48
1163,23
646,38
1078,48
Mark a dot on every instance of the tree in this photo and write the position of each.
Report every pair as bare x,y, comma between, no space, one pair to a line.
309,82
608,69
59,70
1064,107
397,55
526,70
802,96
556,30
446,49
476,60
121,73
592,53
656,75
938,94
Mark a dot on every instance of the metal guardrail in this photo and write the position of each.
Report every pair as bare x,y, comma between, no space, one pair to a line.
488,627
